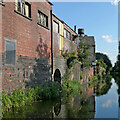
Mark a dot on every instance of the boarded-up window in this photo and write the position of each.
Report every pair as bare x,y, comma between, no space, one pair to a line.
10,52
42,19
55,27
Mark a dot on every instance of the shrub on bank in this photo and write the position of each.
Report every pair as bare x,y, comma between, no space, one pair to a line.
69,86
93,81
19,97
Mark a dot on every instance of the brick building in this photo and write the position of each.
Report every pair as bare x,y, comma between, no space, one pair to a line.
64,37
26,43
33,40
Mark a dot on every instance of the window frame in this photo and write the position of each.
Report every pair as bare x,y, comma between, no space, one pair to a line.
67,32
29,16
58,26
6,54
47,19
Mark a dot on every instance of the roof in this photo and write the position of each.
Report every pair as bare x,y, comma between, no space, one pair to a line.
49,2
63,22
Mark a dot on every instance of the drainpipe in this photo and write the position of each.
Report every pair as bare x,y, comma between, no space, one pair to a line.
51,45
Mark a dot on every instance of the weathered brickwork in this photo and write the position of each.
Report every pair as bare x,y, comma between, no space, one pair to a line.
70,45
56,43
33,46
33,59
60,64
61,45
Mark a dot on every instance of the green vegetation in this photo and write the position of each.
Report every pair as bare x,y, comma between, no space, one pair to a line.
106,86
81,56
71,58
102,80
106,60
21,97
116,71
93,81
83,53
71,86
116,68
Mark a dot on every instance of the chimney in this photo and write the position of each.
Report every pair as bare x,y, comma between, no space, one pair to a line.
75,28
81,31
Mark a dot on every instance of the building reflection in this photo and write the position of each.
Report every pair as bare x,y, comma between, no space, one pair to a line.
76,107
69,107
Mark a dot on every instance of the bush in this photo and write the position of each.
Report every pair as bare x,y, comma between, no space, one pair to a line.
93,81
71,86
19,97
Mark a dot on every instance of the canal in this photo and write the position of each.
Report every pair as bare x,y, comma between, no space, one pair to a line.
95,106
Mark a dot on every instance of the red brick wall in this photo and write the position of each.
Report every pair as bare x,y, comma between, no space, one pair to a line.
32,41
69,44
25,32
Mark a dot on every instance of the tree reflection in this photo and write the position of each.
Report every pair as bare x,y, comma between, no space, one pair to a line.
117,81
104,88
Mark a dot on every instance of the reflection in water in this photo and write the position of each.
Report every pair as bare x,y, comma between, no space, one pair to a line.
103,89
71,107
105,106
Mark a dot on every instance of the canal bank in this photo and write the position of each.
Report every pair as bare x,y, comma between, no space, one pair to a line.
104,106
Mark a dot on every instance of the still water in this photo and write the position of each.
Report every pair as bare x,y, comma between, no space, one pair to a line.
104,106
107,106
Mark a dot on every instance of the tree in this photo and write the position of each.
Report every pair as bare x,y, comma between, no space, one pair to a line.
105,59
83,53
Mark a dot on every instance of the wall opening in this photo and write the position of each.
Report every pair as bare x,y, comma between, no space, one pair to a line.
57,76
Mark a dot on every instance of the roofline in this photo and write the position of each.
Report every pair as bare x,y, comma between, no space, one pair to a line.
70,27
57,18
63,22
49,2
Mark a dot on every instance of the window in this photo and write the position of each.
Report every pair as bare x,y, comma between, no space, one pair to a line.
10,52
42,19
74,39
67,34
55,27
24,8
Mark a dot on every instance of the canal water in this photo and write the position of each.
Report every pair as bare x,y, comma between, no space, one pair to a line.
107,106
103,106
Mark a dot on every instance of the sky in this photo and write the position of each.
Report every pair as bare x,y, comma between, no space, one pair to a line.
99,19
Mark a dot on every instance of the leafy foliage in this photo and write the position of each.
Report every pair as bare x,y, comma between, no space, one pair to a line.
71,58
71,86
83,53
20,97
106,60
93,81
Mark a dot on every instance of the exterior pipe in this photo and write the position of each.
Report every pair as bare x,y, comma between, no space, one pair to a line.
51,46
